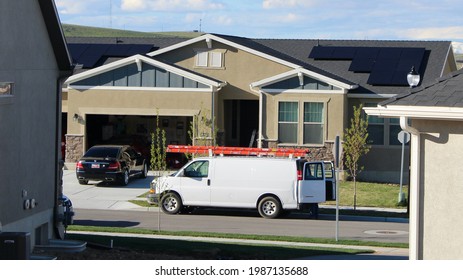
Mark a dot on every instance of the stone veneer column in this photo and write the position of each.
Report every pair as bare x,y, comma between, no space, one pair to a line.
74,147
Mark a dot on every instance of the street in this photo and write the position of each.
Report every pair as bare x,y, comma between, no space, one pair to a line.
95,204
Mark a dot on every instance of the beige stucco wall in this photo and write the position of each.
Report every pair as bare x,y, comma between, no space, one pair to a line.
124,102
241,68
334,113
441,185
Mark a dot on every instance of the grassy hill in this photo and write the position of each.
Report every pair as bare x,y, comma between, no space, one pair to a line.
71,30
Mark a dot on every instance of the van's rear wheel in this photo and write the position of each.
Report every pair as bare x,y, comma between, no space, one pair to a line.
269,207
171,203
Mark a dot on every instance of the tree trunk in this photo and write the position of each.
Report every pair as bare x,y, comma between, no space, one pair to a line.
355,194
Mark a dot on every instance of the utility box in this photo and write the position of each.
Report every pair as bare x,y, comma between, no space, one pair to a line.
15,245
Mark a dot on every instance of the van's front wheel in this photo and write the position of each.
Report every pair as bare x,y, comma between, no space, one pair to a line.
269,207
171,203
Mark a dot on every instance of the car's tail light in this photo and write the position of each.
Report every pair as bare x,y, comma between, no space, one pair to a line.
299,175
114,166
79,165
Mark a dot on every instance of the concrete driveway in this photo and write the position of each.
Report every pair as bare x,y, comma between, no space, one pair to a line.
99,195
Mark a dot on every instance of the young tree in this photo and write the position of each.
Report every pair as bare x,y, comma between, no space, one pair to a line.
355,146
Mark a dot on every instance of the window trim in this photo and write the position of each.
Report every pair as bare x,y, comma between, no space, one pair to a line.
287,122
209,58
317,123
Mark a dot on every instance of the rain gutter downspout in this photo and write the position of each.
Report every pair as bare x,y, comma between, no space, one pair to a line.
261,106
415,251
213,118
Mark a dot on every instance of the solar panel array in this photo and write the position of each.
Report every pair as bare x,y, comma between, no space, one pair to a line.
388,66
89,55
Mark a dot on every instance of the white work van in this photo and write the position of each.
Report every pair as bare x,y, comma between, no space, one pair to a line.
272,185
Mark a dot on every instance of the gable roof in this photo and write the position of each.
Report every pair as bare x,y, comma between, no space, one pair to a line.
55,32
213,83
295,54
254,47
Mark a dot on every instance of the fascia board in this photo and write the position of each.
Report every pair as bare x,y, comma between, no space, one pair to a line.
226,42
295,72
134,58
418,112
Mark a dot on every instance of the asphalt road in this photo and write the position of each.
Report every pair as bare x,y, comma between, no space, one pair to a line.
94,204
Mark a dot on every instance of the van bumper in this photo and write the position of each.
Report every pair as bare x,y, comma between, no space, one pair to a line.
152,198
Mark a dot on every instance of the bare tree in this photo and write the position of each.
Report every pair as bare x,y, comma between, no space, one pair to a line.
355,146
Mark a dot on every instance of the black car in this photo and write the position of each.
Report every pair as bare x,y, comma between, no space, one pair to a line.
111,163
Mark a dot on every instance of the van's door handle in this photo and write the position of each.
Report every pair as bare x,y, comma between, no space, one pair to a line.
208,182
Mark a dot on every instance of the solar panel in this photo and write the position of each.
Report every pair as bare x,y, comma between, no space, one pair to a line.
387,66
89,55
364,59
320,52
344,53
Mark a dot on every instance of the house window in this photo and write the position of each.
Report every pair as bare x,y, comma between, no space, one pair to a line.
287,122
209,59
201,59
313,123
375,128
394,129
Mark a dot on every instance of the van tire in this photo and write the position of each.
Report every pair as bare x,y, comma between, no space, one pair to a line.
171,203
269,207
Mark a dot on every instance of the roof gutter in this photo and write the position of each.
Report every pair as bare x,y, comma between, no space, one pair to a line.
415,241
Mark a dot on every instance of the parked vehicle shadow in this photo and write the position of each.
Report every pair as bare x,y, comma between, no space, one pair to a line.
134,183
105,223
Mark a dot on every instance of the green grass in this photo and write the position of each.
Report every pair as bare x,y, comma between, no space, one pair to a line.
370,194
213,250
239,236
71,30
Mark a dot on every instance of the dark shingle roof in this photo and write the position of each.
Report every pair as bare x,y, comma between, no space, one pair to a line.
297,52
432,65
445,92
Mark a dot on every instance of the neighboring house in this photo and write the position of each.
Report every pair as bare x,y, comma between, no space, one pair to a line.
282,93
34,61
433,114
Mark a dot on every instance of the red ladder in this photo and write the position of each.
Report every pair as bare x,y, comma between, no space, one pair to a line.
276,152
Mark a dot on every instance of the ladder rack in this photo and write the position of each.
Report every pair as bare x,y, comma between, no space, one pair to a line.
241,151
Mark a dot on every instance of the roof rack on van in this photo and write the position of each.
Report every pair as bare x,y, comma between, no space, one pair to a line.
241,151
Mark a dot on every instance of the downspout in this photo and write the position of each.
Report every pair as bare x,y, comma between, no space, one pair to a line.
415,251
261,106
213,118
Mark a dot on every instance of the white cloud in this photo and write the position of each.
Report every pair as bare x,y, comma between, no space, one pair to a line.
170,5
276,4
457,47
441,33
71,7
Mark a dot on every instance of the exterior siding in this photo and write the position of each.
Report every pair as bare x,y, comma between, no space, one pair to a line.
28,123
441,189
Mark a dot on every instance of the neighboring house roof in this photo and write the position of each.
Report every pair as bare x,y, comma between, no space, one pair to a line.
442,99
444,92
295,53
433,64
55,32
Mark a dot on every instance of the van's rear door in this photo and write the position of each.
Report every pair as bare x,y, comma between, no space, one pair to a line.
312,188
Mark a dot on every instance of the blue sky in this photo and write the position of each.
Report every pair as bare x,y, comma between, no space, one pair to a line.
292,19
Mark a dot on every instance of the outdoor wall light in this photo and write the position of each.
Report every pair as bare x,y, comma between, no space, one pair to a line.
413,78
76,117
6,88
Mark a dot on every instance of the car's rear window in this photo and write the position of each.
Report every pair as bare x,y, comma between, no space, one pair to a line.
102,152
